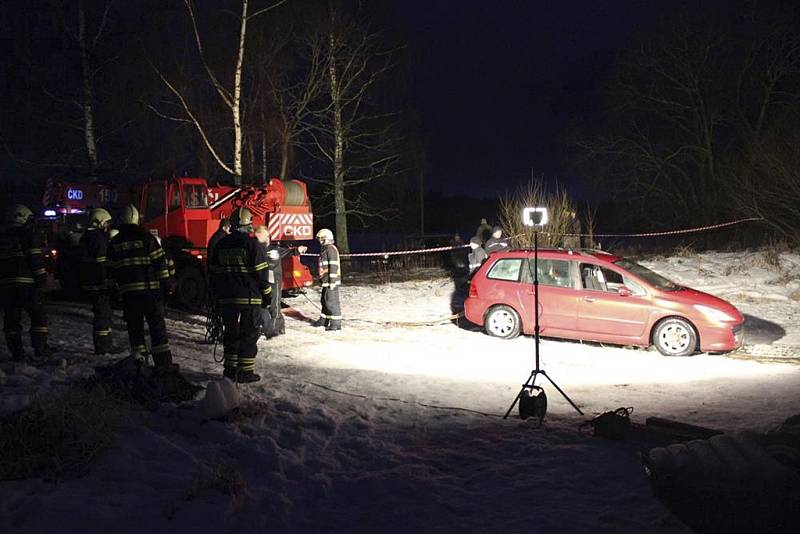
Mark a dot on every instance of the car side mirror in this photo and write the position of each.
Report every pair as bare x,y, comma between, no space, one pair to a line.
624,291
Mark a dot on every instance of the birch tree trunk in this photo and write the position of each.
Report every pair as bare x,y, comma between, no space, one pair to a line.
236,105
86,71
340,206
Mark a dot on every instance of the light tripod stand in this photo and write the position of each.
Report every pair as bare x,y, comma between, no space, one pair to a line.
531,397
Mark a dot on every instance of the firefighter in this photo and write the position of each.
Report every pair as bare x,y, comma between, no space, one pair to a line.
240,281
22,276
330,280
94,244
223,230
139,266
497,242
275,254
477,255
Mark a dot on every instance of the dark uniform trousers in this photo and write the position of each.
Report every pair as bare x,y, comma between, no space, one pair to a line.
242,329
139,306
94,249
14,301
331,308
101,308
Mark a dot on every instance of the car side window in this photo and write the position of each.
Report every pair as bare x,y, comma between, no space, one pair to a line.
506,269
592,277
550,273
635,287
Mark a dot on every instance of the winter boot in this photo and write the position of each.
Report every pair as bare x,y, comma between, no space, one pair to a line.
246,377
334,325
322,321
163,360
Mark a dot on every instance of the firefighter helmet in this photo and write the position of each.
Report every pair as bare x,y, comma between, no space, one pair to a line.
325,235
113,233
129,215
241,218
99,218
19,215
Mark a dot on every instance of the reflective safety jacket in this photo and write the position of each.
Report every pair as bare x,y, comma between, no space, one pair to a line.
239,270
21,258
496,244
476,259
94,245
136,261
329,273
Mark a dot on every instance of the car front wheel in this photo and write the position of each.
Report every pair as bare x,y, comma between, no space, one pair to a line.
675,337
503,322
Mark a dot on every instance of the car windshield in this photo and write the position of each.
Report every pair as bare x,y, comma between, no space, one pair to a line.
654,279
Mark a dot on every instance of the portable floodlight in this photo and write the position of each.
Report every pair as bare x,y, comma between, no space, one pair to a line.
535,216
532,399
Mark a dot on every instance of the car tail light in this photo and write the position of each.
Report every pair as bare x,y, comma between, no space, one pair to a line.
473,291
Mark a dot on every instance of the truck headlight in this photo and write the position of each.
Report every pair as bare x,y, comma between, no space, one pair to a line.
714,314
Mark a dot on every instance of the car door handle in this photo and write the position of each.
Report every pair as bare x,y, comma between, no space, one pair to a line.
588,299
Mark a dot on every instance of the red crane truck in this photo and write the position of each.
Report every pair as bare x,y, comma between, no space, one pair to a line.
183,213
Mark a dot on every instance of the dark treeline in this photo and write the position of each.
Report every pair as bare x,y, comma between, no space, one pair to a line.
233,90
700,123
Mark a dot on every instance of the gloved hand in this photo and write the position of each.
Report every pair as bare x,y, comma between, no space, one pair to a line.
168,287
265,301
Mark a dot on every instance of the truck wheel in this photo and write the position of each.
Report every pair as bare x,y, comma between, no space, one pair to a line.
191,291
674,336
503,322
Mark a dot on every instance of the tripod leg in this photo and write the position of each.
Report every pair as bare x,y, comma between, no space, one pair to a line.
560,391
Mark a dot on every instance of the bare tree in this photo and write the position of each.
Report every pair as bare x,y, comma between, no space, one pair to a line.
688,104
88,39
231,97
347,130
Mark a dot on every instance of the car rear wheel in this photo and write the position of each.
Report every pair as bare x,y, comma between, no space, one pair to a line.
503,322
675,337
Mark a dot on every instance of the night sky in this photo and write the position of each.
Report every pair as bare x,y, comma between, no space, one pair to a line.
497,84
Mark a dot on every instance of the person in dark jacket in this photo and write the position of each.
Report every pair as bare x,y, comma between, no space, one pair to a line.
497,242
477,255
94,279
484,232
22,276
274,324
139,267
223,230
330,280
241,285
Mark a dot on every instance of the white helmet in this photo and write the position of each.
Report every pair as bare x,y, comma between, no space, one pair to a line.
325,235
99,217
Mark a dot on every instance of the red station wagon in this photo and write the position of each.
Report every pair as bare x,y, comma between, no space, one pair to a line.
596,296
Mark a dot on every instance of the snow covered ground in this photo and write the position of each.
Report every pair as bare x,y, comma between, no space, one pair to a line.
391,427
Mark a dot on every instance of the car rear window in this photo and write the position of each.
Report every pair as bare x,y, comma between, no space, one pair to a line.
506,269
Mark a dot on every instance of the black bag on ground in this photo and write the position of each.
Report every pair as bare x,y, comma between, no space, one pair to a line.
611,425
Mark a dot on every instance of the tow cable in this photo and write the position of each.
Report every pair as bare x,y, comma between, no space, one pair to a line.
441,320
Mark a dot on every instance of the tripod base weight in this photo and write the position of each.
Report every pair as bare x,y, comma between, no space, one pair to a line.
532,403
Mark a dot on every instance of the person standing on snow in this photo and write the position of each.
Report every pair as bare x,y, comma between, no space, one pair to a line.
94,282
274,324
22,276
330,280
484,232
477,255
241,285
139,266
497,242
